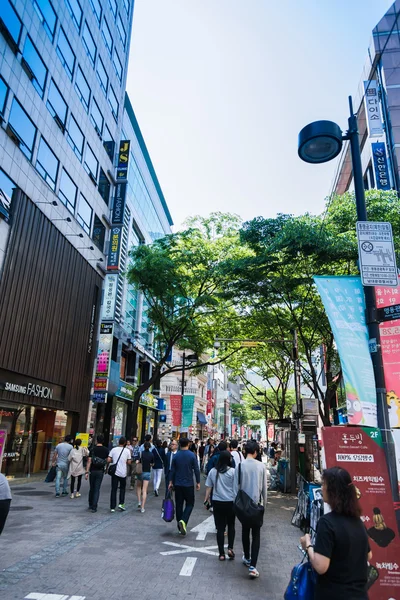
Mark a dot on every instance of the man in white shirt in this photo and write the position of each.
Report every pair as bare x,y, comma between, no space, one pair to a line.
121,457
236,455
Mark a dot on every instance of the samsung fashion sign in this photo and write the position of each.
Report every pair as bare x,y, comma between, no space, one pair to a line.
39,391
21,384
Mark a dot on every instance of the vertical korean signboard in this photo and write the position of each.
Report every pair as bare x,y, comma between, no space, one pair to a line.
103,362
359,450
372,108
344,303
381,166
176,409
115,248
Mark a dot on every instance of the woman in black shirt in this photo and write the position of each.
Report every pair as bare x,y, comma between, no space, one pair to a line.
341,549
142,480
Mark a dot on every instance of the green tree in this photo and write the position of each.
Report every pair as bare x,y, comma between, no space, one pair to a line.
182,282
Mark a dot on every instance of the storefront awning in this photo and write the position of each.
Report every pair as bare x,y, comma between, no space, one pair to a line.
201,418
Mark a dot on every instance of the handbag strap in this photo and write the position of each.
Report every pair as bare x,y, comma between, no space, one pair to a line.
158,454
120,456
240,474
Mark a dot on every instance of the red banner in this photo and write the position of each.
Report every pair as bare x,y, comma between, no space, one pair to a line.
390,342
209,402
271,432
359,450
176,408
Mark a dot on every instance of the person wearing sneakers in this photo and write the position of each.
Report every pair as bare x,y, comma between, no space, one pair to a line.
143,478
184,466
253,481
76,467
121,457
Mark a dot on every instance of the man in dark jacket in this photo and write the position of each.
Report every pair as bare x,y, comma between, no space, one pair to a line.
214,459
184,468
173,448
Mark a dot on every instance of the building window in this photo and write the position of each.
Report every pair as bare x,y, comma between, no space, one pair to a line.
82,89
75,11
97,118
65,53
113,102
104,186
109,143
117,65
34,66
85,214
10,24
106,34
127,6
67,192
99,232
102,76
88,42
3,95
57,105
91,163
47,15
75,138
47,164
23,127
113,6
96,6
121,31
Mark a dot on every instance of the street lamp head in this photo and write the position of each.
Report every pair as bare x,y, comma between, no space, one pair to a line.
192,357
320,142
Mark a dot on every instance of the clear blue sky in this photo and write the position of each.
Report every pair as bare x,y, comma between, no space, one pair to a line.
221,89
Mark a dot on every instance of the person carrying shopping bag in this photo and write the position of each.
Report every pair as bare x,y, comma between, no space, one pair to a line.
220,481
143,478
76,467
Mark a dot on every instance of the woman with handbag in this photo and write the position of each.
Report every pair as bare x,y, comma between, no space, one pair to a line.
251,492
143,474
76,466
341,551
220,481
158,467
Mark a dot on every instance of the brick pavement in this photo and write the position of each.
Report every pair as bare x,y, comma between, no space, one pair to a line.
58,547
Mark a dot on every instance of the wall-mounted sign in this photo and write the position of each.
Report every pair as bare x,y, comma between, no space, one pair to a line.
106,328
99,397
310,406
126,390
119,204
372,108
28,386
110,295
149,400
123,154
381,167
115,248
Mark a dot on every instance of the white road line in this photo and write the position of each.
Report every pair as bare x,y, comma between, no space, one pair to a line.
188,567
37,596
183,549
207,526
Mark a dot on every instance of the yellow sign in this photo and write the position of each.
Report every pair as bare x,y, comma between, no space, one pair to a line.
85,439
250,344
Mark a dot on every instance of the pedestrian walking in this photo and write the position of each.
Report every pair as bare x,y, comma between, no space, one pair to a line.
143,478
236,455
341,552
147,438
165,446
135,451
201,455
222,447
184,467
220,481
95,469
158,466
60,458
253,481
5,501
76,468
173,448
121,458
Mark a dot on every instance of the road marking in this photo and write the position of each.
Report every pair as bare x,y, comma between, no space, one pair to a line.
36,596
207,526
183,548
188,566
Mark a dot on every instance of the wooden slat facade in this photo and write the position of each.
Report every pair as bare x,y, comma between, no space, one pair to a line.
47,293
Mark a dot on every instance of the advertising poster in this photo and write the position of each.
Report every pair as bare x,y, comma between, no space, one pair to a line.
343,299
271,432
187,410
3,437
85,439
103,362
359,450
176,408
388,299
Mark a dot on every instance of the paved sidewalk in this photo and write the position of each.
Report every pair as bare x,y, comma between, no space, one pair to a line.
57,546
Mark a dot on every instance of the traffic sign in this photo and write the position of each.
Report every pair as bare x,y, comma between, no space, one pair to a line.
389,313
376,253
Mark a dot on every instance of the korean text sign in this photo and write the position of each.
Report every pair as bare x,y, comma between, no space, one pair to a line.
359,450
187,410
176,409
344,303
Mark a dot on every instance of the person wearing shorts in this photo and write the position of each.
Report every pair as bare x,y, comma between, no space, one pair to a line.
142,480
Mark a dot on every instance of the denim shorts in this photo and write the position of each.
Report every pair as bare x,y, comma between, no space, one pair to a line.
144,477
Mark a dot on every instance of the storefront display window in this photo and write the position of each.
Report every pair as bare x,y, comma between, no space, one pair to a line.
119,421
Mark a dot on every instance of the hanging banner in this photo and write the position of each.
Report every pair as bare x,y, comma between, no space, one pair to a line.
271,432
359,450
187,410
381,167
344,303
176,408
372,108
209,402
387,300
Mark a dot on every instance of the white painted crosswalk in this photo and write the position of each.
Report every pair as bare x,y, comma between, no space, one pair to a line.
37,596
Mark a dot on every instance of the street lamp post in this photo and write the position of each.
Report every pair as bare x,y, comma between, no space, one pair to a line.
320,142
